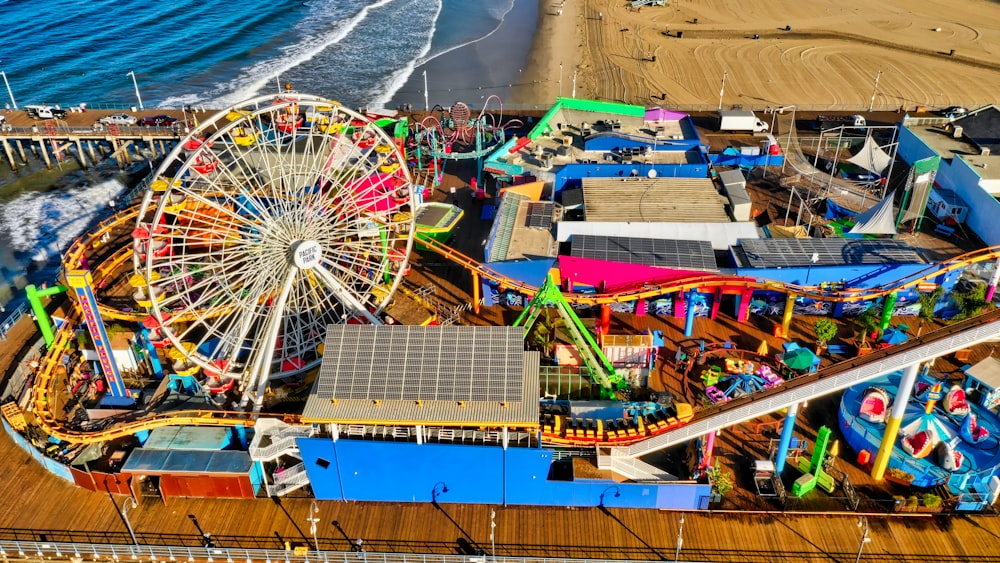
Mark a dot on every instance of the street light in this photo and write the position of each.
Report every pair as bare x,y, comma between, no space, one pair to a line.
136,84
722,91
130,502
862,522
313,520
9,92
874,91
812,260
493,527
560,80
680,539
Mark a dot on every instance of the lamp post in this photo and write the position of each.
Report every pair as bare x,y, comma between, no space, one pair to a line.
136,85
874,91
493,527
791,129
130,502
680,539
313,520
10,93
560,80
722,91
862,522
812,260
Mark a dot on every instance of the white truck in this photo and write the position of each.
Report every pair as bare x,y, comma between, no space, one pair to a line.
740,121
45,112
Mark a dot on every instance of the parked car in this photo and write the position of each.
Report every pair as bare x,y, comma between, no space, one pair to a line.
161,120
45,112
118,119
954,111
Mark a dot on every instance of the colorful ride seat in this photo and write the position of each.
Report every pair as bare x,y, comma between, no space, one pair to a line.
948,457
920,444
955,402
971,431
874,405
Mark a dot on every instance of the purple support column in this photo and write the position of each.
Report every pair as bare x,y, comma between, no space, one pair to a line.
994,279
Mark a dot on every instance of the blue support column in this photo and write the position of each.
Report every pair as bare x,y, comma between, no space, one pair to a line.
689,314
786,438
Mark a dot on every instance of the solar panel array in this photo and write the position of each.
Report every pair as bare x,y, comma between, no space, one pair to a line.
418,363
540,215
686,254
772,253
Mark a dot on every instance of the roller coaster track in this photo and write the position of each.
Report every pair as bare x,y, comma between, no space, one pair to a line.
668,284
43,406
842,375
833,378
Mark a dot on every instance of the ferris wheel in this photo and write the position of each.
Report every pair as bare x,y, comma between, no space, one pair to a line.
272,220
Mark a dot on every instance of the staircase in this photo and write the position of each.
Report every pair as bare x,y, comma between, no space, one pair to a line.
277,440
632,468
289,480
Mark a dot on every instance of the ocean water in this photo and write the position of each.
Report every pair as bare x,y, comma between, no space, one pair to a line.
213,54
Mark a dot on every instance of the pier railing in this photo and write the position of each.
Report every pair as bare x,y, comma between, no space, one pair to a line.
54,551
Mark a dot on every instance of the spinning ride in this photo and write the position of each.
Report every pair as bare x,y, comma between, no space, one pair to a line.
247,260
455,134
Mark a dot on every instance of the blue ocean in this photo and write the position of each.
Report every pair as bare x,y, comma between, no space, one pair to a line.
212,54
220,52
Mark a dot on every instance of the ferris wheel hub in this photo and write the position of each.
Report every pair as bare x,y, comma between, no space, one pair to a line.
305,254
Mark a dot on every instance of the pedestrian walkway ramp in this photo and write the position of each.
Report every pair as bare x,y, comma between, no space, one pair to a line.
951,338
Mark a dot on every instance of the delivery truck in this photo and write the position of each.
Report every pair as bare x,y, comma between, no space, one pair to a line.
740,121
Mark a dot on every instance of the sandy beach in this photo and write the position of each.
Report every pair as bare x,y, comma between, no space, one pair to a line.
922,53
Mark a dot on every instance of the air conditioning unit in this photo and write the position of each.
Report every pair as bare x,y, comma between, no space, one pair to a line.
957,133
985,151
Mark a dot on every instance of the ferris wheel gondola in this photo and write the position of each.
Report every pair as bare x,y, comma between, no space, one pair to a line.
264,244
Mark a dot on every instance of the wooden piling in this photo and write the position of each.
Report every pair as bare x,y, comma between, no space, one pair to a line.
10,154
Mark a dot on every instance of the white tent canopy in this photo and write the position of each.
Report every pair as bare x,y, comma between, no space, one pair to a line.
871,157
878,220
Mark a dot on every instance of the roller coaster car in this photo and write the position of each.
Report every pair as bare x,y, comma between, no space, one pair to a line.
564,430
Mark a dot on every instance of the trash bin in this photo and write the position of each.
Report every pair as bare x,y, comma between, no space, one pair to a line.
680,34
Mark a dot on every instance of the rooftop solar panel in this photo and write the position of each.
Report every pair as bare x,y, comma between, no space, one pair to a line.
667,253
773,253
450,363
540,215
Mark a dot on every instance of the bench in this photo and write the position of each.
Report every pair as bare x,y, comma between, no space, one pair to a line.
839,349
945,230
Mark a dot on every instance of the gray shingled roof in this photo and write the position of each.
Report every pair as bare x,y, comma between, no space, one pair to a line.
452,375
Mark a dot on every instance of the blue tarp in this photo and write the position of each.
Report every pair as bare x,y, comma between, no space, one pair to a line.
834,211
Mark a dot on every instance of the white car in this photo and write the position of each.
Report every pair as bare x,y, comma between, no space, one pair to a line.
118,119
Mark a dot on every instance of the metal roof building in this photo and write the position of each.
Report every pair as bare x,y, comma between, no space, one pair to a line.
426,375
684,200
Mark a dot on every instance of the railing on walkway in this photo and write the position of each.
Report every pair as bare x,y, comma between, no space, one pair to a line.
10,319
44,551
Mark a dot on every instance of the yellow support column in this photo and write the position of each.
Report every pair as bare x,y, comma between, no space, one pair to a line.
475,292
894,421
786,319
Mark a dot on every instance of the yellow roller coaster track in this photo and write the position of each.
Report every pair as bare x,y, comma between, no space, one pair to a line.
42,405
656,288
